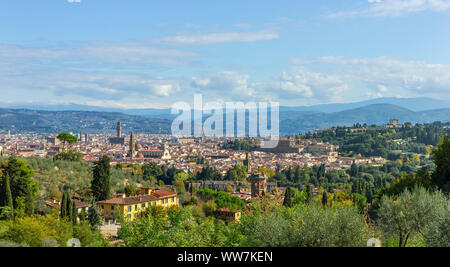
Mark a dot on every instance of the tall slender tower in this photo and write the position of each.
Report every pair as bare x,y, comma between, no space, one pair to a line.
247,163
81,136
86,138
132,150
119,129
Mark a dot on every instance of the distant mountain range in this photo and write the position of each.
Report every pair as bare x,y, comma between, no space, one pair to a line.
413,104
24,120
292,122
57,118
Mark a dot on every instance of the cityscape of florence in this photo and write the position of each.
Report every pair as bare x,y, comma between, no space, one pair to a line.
243,126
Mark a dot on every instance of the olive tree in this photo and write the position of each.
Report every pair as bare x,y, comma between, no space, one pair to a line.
411,213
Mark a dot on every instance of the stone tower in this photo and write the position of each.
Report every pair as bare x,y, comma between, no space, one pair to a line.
132,149
247,162
259,185
119,129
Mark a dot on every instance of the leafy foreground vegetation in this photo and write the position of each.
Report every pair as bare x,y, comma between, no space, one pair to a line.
303,225
47,231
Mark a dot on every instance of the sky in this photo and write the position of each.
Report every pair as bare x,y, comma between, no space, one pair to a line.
151,54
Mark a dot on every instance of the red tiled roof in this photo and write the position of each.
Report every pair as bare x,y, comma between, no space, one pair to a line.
78,204
163,193
129,200
156,195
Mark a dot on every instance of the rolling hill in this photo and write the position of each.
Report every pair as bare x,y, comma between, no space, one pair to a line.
291,121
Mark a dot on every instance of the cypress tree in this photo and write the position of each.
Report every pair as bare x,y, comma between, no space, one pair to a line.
69,214
100,184
324,198
63,211
8,196
288,197
21,183
309,193
354,170
74,213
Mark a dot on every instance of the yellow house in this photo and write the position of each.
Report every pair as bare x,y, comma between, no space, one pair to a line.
133,207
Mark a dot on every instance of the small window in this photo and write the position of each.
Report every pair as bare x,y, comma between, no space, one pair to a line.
103,206
129,208
135,207
112,207
143,205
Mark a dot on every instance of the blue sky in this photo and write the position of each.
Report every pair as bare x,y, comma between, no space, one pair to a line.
146,53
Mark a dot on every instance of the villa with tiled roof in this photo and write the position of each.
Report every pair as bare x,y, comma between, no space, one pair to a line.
135,206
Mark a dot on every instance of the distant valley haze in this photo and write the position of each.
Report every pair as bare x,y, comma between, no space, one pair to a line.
293,120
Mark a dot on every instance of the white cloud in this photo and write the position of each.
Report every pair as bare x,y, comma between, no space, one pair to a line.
377,77
333,79
303,83
225,83
123,54
217,38
383,8
105,86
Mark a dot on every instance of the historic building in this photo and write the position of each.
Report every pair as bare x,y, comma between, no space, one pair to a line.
118,139
132,146
285,145
155,153
227,215
80,206
247,163
135,206
258,185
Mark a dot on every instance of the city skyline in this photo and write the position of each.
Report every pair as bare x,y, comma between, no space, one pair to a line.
152,54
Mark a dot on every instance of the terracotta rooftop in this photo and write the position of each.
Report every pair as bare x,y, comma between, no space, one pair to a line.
155,195
57,204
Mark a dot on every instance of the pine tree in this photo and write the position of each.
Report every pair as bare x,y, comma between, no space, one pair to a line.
101,179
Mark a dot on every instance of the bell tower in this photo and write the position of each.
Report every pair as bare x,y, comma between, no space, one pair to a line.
247,163
259,185
132,149
119,129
